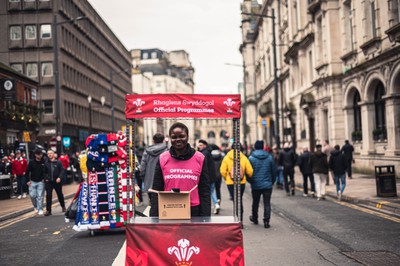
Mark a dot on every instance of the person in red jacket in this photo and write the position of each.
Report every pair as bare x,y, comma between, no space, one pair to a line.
18,169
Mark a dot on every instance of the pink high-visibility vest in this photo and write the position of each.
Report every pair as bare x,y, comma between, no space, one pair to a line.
182,174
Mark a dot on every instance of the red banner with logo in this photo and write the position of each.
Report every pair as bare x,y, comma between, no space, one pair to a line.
182,106
184,244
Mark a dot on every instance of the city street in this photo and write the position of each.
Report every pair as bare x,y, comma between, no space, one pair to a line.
303,231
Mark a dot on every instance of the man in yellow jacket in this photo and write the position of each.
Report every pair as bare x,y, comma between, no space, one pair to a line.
246,170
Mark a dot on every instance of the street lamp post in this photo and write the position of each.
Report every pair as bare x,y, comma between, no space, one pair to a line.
112,95
244,105
276,93
89,98
57,78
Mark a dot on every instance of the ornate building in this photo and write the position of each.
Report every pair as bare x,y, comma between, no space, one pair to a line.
337,70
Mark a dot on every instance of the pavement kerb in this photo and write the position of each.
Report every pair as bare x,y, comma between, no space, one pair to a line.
386,206
29,209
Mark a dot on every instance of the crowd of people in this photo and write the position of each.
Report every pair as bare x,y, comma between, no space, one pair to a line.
203,167
200,169
39,176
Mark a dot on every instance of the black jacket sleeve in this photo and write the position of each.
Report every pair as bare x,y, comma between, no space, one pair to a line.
204,192
158,184
28,172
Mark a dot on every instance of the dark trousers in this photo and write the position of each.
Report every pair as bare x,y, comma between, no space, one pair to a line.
266,194
21,185
49,194
218,188
305,183
288,174
139,182
231,191
349,168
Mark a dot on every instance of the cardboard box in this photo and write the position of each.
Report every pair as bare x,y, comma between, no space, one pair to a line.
173,205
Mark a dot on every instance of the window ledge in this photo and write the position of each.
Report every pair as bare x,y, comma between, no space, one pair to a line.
394,33
371,46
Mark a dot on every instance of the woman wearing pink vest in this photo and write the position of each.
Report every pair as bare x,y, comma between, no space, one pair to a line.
182,167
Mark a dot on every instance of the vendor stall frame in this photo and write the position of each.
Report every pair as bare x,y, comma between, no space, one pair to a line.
202,106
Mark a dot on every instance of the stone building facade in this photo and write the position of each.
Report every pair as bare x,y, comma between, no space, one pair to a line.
91,62
338,73
157,71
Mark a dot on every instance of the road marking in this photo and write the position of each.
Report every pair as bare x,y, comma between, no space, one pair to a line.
56,232
120,259
366,210
18,219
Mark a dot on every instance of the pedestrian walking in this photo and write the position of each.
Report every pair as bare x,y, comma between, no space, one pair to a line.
328,149
35,174
320,169
53,180
348,150
278,167
304,163
287,159
149,161
189,172
203,148
246,171
217,158
18,169
262,182
338,165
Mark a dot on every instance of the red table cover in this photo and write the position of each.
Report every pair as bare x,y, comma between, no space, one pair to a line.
184,244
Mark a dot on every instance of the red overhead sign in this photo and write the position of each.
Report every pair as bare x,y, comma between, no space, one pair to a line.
182,106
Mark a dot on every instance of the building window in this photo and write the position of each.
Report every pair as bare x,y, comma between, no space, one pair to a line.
30,32
45,31
17,67
373,18
48,107
14,1
15,33
32,70
47,69
145,55
348,17
380,112
357,111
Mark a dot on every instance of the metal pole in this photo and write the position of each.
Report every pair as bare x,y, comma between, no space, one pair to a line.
244,106
112,101
255,92
277,131
57,85
90,118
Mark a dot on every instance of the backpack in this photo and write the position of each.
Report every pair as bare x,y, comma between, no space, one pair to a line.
231,173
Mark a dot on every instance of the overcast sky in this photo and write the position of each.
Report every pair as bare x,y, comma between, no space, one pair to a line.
209,30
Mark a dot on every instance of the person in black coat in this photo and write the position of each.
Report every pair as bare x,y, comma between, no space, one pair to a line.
348,150
338,164
287,158
217,155
54,172
320,168
304,163
203,148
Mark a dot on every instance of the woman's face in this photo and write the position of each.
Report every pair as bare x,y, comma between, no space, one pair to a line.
179,138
